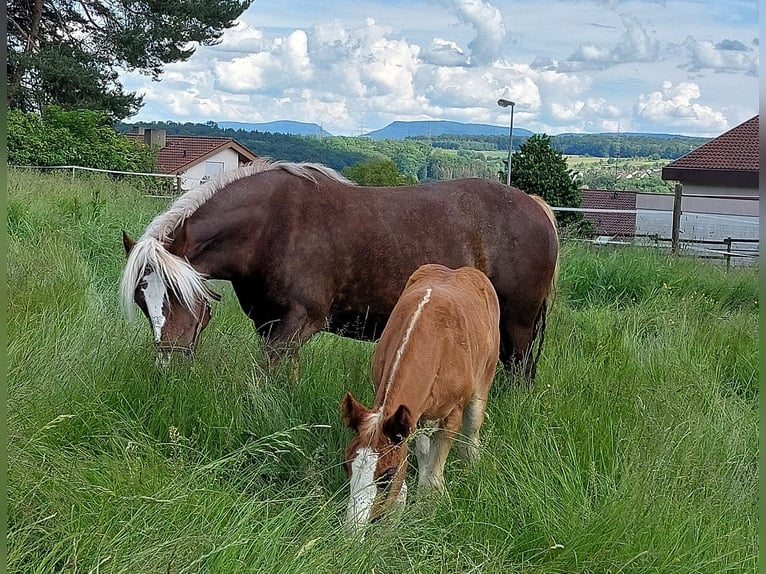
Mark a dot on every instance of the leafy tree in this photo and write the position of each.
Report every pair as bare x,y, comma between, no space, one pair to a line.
66,53
377,172
539,169
74,137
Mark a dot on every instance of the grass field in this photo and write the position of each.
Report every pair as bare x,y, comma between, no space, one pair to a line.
636,450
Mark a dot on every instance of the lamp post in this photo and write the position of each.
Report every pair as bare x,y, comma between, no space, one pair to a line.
503,103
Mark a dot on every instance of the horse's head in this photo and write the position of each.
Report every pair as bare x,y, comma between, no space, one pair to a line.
375,460
177,307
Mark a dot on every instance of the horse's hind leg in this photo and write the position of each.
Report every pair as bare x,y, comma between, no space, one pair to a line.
516,350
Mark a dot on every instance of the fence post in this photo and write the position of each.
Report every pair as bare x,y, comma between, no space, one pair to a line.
178,185
676,231
727,241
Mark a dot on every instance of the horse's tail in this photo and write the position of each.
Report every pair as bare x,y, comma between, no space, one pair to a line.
539,325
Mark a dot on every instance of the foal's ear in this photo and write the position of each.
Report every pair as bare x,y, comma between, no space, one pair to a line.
127,242
353,412
398,426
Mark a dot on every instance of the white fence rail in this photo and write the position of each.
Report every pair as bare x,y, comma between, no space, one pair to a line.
732,238
179,179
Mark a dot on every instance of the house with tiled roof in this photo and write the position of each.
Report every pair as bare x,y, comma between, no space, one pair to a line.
726,165
719,209
720,194
194,158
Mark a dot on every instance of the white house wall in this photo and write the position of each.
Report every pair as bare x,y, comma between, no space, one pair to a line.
699,189
194,175
702,218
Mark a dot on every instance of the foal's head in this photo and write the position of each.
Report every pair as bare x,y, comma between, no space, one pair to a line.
177,307
375,459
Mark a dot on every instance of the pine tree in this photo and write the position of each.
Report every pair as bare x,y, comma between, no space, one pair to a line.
67,53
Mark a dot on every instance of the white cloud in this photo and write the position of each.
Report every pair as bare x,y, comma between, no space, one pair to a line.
283,62
351,65
636,45
487,20
444,53
674,106
591,108
241,38
726,56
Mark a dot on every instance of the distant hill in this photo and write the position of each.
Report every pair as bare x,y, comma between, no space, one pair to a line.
401,130
278,127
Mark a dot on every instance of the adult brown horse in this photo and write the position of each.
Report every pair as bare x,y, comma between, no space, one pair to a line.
307,250
433,366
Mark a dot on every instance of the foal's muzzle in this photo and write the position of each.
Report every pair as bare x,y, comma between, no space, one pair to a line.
163,349
165,352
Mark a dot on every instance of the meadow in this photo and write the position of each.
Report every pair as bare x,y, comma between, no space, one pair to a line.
635,451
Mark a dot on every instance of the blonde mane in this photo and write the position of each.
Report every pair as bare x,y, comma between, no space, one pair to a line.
162,227
180,277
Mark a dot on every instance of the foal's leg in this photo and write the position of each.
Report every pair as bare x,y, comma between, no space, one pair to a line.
473,417
423,452
431,475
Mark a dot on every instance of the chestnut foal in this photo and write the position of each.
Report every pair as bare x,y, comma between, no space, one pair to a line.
433,367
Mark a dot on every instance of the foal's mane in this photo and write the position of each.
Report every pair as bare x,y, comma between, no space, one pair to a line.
372,422
180,277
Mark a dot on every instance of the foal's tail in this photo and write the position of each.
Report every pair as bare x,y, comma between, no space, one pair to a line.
540,320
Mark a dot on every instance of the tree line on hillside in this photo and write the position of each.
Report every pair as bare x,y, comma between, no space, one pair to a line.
414,159
422,158
595,145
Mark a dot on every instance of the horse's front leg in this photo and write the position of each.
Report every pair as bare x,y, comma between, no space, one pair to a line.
288,333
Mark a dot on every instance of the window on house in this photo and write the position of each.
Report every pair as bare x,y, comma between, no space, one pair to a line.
213,168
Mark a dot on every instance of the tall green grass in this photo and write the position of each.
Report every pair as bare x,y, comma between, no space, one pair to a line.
635,451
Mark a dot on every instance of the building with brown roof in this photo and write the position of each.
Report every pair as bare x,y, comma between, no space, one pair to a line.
720,201
726,165
195,158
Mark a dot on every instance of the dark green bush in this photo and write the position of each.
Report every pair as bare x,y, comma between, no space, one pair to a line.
78,137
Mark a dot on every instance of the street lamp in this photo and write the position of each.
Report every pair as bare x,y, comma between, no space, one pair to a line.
503,103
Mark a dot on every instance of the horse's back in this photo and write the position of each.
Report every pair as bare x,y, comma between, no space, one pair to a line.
382,235
445,326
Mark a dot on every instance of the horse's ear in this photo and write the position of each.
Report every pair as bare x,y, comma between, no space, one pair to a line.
398,426
127,242
353,412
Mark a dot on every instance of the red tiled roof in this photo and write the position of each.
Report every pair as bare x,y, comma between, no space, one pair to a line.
182,151
731,158
610,223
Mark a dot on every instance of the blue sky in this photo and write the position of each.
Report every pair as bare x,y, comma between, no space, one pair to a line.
676,66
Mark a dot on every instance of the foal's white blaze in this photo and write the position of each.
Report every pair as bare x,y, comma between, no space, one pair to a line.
154,297
363,489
